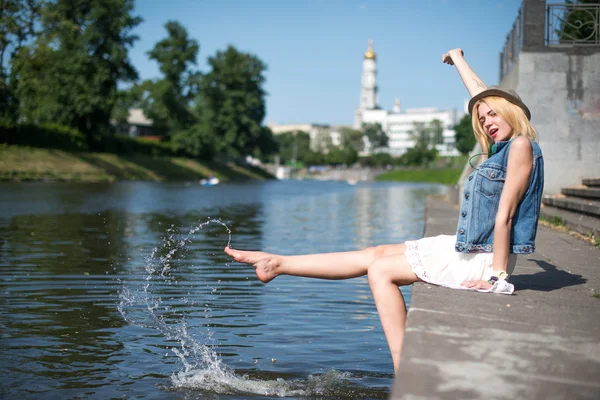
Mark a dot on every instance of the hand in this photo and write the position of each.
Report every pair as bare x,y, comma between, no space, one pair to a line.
477,284
448,57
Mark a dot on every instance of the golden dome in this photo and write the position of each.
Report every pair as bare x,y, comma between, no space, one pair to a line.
370,54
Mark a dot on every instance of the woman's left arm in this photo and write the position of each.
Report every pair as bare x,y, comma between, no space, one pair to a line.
518,171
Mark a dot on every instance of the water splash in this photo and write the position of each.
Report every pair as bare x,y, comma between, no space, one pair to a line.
227,382
142,303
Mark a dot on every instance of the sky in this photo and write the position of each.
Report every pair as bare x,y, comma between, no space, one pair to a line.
314,49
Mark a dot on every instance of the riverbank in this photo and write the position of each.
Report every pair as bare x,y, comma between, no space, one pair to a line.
541,342
18,163
448,176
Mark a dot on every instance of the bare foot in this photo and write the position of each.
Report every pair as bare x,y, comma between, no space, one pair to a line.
266,264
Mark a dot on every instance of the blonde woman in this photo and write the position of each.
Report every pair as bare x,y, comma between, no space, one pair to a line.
497,220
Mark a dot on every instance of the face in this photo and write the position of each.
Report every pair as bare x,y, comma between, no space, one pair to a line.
493,124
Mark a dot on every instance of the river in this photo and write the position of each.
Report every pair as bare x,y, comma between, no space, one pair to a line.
123,291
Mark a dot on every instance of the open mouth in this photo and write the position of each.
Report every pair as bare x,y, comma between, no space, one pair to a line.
493,132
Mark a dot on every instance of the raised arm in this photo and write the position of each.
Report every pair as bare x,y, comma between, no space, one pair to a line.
473,83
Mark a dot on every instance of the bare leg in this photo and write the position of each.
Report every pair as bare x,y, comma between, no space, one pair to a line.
385,275
342,265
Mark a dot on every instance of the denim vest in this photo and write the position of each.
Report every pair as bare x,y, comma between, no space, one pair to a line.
482,190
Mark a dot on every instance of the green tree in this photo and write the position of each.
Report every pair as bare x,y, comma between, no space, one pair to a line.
427,135
578,24
341,155
436,130
266,144
418,156
69,75
352,139
420,135
377,137
18,20
465,138
232,99
168,101
293,145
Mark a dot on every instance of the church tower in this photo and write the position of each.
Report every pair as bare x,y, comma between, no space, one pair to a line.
368,92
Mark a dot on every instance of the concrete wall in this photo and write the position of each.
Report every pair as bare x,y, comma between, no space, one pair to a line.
562,91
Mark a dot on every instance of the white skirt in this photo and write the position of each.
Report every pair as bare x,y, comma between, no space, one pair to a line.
434,260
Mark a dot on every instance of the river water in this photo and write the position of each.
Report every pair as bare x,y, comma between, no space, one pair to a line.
122,290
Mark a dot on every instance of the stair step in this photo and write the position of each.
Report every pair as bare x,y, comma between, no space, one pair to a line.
590,207
589,193
577,222
591,182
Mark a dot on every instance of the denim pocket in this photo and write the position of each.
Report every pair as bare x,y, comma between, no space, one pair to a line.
491,181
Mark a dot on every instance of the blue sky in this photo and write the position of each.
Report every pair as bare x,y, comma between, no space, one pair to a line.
314,48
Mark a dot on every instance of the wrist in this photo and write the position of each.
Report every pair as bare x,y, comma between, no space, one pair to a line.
455,54
500,274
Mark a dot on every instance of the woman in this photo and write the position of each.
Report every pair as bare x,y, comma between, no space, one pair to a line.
498,219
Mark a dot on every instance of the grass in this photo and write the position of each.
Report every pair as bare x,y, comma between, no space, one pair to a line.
560,225
446,175
33,164
554,221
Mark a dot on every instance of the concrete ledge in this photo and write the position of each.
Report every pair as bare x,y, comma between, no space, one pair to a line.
590,193
577,222
586,206
542,342
591,182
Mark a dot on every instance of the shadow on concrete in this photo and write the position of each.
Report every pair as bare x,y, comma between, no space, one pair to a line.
551,278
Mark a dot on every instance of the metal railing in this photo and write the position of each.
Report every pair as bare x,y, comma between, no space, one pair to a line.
573,24
512,46
566,25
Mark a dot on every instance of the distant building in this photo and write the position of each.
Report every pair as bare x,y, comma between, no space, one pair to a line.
138,125
321,136
397,124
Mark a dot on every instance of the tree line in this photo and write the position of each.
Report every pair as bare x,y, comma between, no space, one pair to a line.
66,63
295,147
65,68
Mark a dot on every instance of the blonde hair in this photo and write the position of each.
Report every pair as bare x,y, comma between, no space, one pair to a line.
513,115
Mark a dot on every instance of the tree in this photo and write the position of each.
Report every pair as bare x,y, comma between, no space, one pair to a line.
69,75
418,156
341,155
232,98
436,130
18,20
465,138
266,144
427,135
352,139
578,24
293,145
376,136
168,101
420,135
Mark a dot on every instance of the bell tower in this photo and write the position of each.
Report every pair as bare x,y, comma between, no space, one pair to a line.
368,92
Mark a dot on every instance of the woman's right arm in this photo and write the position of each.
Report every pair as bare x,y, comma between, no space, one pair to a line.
473,83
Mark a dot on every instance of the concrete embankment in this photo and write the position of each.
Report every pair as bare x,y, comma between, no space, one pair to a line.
541,342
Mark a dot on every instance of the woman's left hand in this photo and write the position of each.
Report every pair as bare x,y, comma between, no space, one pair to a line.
476,284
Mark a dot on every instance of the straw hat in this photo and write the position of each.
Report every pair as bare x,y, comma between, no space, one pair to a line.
508,94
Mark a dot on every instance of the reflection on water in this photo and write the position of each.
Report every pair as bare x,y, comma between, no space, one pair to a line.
199,323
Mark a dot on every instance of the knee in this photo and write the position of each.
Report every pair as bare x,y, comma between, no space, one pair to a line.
377,273
375,252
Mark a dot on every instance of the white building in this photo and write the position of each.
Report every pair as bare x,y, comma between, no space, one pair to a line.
398,124
321,136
